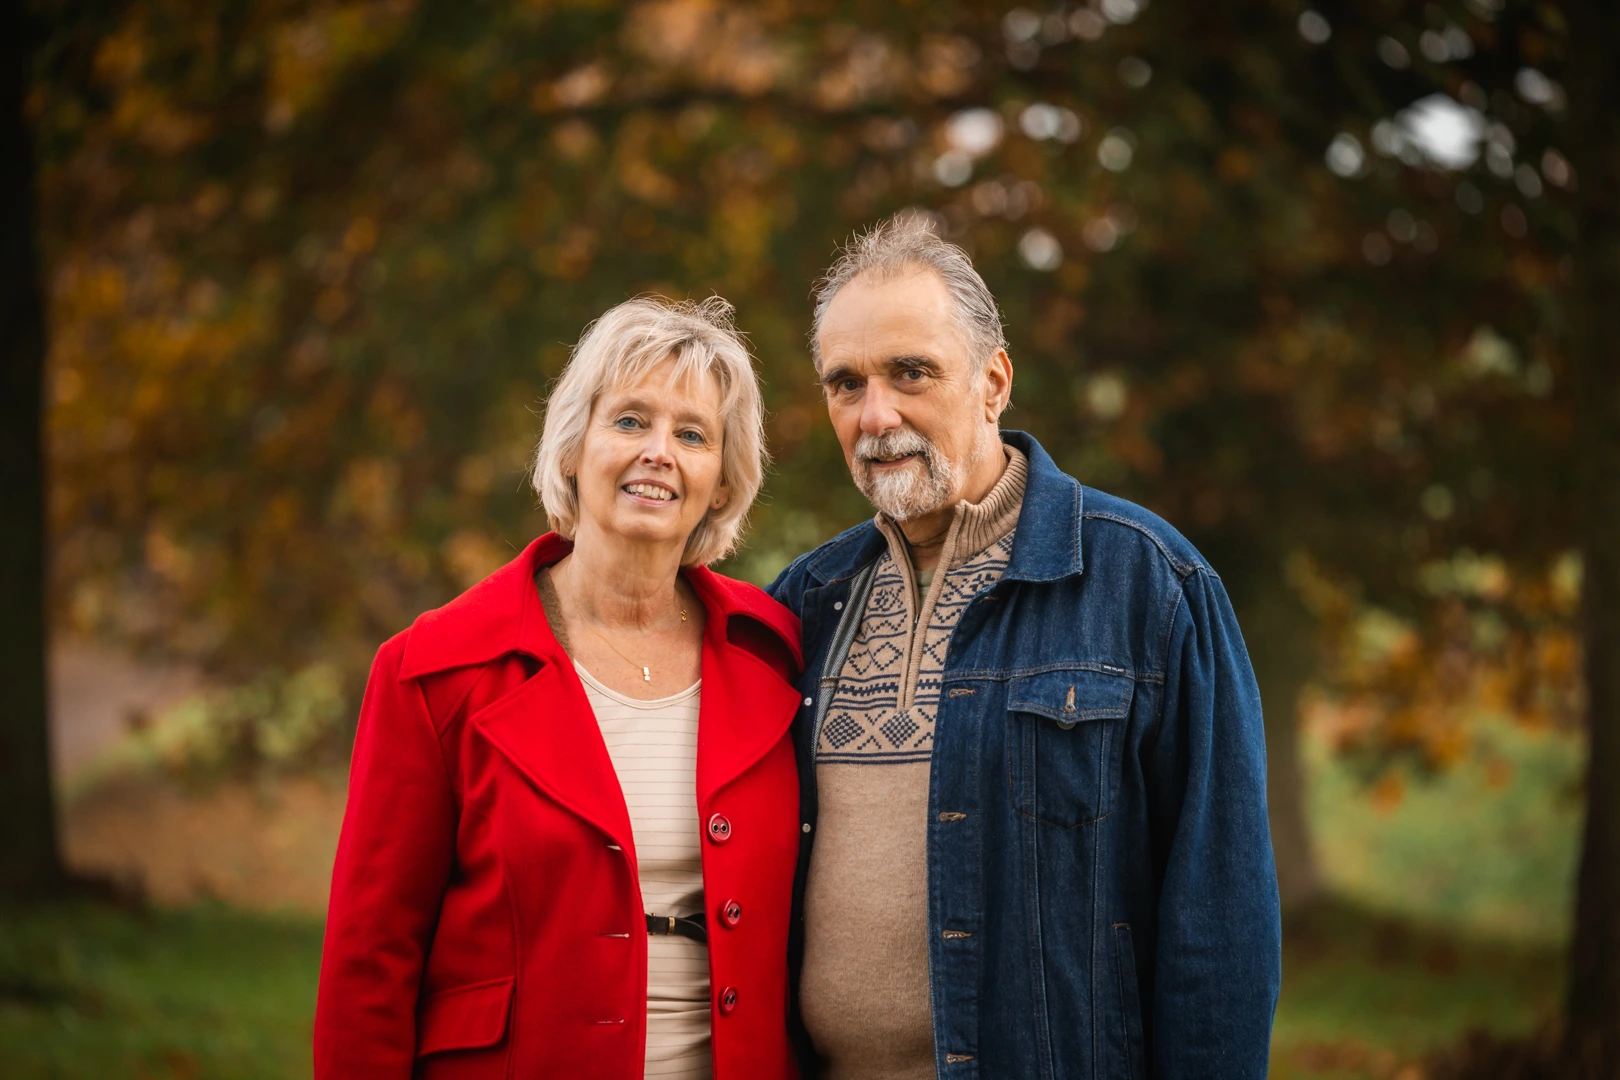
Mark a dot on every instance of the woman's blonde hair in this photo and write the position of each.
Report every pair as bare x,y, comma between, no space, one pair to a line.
620,349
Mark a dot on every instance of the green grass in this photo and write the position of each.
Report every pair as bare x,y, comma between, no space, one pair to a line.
1456,902
1364,994
98,992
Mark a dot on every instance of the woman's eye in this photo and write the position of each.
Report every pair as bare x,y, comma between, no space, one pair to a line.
626,423
693,437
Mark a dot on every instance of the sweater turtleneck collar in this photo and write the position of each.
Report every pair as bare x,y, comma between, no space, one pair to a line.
974,526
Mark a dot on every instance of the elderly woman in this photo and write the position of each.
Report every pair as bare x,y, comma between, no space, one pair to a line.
572,818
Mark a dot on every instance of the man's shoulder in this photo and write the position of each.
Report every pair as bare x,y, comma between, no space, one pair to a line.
831,559
1113,525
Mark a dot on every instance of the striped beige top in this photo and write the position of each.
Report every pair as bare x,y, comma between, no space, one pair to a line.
653,745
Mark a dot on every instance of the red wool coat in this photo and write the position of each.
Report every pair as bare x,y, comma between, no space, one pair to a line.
486,915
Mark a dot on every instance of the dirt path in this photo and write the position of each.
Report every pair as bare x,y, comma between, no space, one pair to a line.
266,845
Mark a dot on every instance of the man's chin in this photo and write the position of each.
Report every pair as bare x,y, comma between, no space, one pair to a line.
902,505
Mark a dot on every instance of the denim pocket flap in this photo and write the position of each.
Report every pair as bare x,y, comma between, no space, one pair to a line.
1073,695
464,1017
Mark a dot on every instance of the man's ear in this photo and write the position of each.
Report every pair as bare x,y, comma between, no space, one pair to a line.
998,377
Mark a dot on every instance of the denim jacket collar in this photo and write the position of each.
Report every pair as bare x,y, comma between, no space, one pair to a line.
1046,546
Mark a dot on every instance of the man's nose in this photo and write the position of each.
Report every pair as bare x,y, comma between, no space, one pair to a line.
878,411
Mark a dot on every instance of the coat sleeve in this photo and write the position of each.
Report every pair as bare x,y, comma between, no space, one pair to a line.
393,861
1218,961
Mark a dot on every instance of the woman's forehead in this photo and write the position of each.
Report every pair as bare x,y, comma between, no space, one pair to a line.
672,383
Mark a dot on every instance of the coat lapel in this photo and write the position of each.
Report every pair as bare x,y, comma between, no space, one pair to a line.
745,711
547,730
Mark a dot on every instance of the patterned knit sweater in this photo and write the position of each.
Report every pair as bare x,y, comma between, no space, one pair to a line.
864,990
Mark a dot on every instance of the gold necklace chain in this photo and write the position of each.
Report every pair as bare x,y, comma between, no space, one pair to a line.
646,673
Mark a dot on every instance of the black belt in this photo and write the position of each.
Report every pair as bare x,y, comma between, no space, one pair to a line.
691,926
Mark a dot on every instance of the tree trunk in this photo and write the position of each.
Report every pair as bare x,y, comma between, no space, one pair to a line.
1280,636
1592,1045
28,855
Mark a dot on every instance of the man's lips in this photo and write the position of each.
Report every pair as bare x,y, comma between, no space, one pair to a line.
881,463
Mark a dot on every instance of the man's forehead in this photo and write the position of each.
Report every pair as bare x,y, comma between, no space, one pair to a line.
898,315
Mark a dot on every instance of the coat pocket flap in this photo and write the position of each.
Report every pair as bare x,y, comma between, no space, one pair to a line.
464,1017
1073,695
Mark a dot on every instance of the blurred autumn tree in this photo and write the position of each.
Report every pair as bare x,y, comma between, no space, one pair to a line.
313,263
28,857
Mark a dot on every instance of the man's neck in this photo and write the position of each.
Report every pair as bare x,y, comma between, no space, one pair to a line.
925,534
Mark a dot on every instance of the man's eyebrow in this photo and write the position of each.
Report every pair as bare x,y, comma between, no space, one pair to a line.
835,373
907,361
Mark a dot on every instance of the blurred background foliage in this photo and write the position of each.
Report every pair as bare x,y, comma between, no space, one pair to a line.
1294,275
1289,276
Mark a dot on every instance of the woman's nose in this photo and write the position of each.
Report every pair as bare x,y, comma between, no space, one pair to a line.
657,450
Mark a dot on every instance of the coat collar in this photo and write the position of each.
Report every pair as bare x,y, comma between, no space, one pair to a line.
1046,544
502,614
545,726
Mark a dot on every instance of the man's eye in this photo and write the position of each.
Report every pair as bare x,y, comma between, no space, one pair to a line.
912,374
849,386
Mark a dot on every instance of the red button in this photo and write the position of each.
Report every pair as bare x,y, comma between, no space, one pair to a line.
731,913
728,1000
719,829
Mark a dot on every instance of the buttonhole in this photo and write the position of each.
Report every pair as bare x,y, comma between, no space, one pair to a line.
957,1059
610,933
951,815
954,935
961,691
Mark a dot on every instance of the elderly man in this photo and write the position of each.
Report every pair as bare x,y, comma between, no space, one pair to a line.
1032,769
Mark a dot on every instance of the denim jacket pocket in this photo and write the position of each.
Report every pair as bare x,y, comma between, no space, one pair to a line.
1059,727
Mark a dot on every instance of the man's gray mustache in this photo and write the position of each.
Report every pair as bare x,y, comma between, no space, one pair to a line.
870,448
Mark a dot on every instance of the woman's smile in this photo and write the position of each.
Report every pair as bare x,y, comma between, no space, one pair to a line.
650,492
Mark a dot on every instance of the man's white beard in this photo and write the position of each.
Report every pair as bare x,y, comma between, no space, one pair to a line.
917,488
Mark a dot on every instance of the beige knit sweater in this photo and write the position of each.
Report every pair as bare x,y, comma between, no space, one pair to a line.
864,990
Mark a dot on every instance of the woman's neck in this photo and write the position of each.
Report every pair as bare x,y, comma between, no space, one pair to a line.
617,584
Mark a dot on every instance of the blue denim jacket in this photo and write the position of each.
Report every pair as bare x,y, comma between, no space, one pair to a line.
1096,806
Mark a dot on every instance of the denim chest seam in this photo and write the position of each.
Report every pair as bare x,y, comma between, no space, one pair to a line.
1008,674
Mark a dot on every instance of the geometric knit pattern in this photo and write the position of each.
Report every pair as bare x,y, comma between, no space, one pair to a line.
872,719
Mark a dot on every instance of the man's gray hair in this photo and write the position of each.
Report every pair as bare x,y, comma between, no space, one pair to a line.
903,244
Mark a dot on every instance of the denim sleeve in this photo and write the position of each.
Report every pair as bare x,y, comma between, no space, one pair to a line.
1218,965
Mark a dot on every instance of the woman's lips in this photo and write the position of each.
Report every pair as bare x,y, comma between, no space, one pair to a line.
649,494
